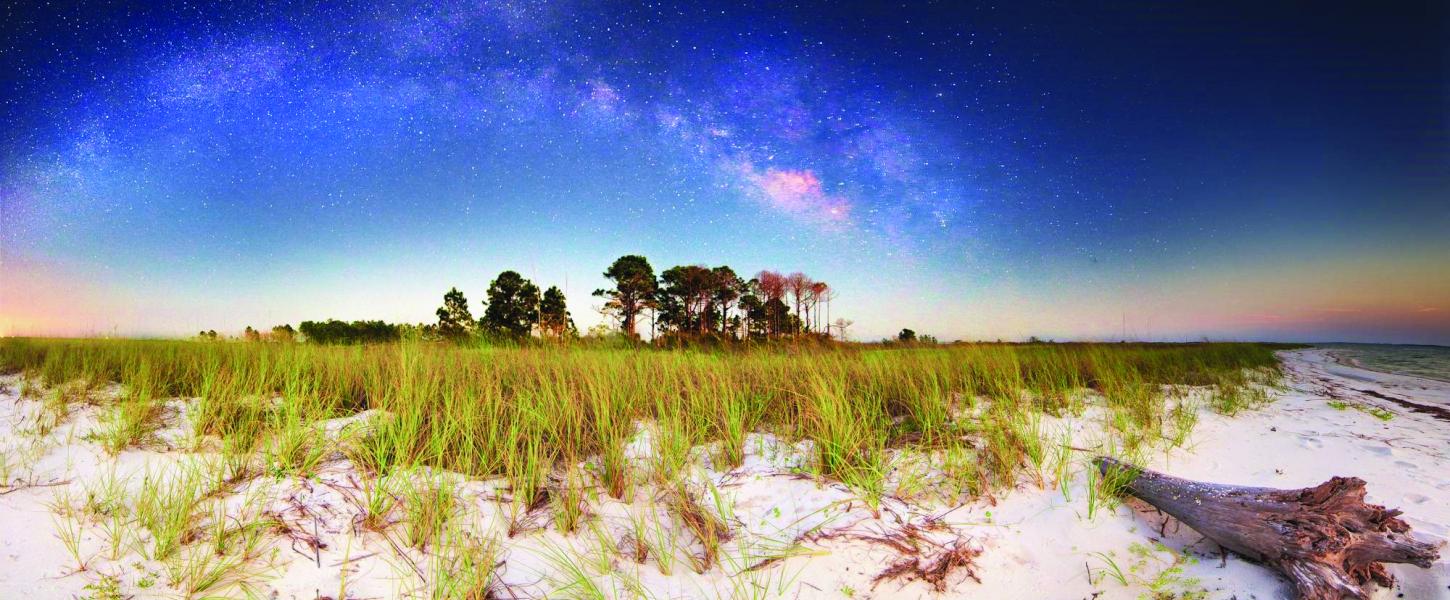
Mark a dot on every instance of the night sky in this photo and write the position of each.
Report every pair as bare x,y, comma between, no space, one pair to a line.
1232,171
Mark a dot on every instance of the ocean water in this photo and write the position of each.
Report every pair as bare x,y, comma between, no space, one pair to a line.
1432,362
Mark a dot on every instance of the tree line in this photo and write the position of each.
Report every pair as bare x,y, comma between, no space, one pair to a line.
684,302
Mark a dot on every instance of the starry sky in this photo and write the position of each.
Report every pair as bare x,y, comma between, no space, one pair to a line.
1231,171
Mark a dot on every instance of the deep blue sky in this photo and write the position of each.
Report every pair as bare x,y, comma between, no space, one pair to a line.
1241,170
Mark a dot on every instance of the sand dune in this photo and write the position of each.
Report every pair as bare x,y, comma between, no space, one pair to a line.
791,535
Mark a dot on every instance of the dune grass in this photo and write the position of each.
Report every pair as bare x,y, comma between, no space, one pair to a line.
519,412
563,427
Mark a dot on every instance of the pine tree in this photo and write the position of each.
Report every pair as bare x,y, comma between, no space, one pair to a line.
554,314
454,320
633,292
513,305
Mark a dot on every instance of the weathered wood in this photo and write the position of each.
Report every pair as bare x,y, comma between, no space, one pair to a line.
1324,539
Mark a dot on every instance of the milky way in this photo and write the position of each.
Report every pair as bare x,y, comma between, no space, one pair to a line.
779,119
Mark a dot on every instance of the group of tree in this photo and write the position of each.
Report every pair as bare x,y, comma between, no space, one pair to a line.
514,310
701,301
279,333
333,331
682,302
283,333
908,336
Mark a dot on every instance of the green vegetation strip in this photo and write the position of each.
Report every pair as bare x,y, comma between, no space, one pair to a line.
519,412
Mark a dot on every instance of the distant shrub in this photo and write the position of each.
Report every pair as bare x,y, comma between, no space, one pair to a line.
333,331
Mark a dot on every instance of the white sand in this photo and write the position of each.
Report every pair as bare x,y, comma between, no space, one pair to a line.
1033,542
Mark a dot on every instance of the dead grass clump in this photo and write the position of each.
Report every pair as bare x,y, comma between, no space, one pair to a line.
934,571
707,527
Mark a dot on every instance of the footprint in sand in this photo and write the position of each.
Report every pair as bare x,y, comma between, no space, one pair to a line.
1406,465
1311,443
1416,498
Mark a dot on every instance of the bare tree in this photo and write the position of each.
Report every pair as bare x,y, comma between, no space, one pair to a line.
818,291
772,288
799,286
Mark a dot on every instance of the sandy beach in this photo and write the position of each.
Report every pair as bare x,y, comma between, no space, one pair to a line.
515,299
790,535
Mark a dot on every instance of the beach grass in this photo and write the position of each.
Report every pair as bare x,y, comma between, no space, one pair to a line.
559,427
522,412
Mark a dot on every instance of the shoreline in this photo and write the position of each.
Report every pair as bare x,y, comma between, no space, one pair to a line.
1339,356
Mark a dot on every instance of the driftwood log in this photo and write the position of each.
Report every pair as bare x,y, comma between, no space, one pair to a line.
1324,539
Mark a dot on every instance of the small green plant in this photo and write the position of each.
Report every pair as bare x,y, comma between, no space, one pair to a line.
54,408
429,506
1375,411
127,424
672,444
1027,429
167,506
1235,392
1158,568
294,447
200,573
68,529
8,463
116,528
464,568
108,587
1062,464
18,462
1110,568
104,495
1105,488
568,499
654,538
605,547
572,578
378,501
234,558
1184,417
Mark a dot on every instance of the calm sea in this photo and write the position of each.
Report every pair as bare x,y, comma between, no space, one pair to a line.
1432,362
